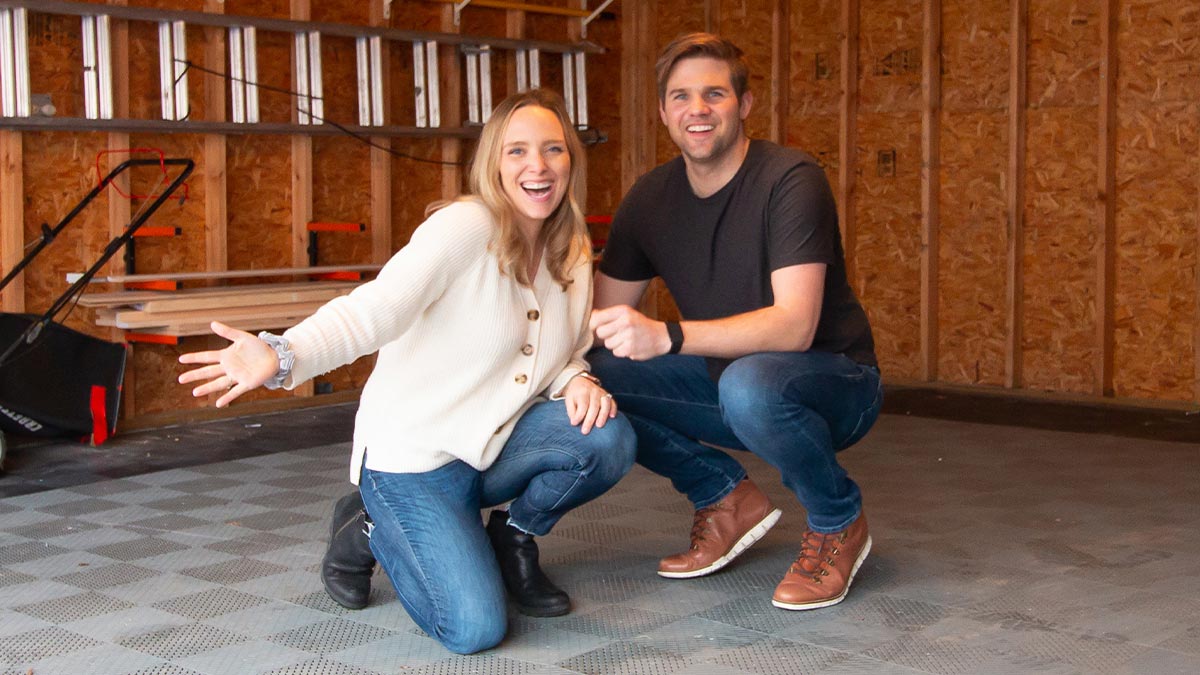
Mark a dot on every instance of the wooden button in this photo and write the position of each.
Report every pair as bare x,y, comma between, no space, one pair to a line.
521,379
527,350
533,314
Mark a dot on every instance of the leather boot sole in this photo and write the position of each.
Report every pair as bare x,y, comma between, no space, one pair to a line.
757,532
542,612
832,601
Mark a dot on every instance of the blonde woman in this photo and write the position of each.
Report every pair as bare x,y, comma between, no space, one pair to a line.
480,394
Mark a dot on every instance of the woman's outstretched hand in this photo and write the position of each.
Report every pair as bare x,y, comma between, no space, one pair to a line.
242,366
588,405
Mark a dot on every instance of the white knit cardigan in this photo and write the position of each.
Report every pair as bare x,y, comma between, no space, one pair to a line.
463,348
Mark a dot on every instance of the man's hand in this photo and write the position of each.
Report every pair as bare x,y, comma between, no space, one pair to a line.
630,334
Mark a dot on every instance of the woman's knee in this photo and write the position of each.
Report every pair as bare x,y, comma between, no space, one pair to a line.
612,449
474,637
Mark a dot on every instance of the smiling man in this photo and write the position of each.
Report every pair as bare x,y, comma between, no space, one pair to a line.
774,355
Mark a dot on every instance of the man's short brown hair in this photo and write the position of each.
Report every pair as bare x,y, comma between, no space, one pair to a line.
708,45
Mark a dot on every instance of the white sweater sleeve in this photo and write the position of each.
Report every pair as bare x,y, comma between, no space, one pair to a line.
381,310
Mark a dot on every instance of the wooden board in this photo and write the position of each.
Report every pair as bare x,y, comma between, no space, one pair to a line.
254,293
131,319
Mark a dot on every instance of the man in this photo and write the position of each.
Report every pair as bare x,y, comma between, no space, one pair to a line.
774,354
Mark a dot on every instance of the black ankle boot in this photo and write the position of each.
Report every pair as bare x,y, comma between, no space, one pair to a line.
528,586
348,564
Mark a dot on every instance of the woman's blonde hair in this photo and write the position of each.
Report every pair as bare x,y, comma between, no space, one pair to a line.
564,232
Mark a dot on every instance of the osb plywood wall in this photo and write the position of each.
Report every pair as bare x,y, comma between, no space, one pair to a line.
1000,266
252,177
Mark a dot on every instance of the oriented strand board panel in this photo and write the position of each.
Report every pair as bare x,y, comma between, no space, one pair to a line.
183,253
888,207
973,242
888,213
59,171
747,23
1059,346
1063,53
259,202
1059,263
975,39
972,248
815,69
415,184
1157,167
890,37
1156,250
818,136
56,62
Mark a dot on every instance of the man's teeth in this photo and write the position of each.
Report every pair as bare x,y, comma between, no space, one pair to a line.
700,127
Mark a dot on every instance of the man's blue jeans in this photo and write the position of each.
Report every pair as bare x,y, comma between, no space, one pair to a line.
796,410
429,537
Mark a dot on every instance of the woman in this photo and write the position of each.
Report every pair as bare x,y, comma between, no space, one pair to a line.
480,394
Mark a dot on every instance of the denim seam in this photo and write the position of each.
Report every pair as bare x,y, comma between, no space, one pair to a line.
714,469
424,579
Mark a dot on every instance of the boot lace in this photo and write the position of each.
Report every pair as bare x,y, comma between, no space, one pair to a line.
701,523
817,553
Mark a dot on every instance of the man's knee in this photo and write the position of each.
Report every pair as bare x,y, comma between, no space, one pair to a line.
745,389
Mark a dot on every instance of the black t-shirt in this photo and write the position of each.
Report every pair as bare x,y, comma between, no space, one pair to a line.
716,254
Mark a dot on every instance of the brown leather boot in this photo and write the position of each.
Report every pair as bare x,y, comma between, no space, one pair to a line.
722,531
822,573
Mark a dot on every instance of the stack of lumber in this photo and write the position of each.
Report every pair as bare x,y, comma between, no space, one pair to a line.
188,312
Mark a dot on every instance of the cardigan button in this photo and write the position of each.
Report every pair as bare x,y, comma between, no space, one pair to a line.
533,314
527,350
521,379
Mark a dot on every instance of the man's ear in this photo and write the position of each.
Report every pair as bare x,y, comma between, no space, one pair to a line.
746,103
662,112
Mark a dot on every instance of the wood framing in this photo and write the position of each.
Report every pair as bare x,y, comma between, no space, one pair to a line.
120,210
931,99
216,220
781,60
450,72
12,217
1106,200
1018,37
381,161
848,136
637,83
302,180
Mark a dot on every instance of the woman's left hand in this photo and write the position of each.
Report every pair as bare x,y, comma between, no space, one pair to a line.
588,405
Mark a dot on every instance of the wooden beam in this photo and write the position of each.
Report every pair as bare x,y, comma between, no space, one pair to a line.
381,159
848,138
1106,201
12,217
514,27
639,92
450,72
120,209
216,216
1018,38
301,179
712,16
781,62
931,94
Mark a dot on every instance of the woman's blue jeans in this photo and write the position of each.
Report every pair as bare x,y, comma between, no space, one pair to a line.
429,537
796,410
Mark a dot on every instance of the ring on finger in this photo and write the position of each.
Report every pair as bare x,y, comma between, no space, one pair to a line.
607,396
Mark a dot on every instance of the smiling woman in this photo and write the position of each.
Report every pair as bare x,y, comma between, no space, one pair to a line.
476,398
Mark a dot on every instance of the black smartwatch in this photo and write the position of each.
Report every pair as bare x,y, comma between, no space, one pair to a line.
675,332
